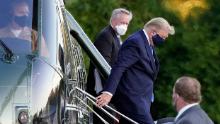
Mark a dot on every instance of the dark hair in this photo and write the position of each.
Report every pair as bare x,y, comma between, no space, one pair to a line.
188,88
17,2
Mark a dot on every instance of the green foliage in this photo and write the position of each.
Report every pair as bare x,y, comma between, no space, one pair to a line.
194,49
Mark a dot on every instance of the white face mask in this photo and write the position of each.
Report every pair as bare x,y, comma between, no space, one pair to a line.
121,29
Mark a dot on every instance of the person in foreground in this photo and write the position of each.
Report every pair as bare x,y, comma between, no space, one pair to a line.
186,98
132,76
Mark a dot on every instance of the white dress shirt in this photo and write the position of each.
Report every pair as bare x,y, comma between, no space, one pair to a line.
146,36
152,51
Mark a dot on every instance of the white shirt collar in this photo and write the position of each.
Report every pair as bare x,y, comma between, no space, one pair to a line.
147,36
16,32
184,109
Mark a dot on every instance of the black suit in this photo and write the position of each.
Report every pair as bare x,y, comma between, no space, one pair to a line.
108,45
193,115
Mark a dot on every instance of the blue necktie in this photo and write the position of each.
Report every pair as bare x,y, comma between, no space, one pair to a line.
152,51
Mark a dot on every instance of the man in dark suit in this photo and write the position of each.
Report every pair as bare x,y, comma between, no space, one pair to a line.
108,43
132,76
186,99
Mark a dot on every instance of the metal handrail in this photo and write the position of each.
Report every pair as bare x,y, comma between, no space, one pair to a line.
113,117
102,119
110,108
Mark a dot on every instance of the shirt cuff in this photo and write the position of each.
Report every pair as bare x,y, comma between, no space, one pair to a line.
107,93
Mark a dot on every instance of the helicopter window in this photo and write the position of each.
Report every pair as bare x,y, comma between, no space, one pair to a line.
19,46
49,27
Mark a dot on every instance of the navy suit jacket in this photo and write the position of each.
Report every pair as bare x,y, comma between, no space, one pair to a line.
108,45
132,77
194,115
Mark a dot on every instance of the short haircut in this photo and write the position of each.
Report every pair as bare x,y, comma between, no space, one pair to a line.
117,12
15,3
159,23
189,89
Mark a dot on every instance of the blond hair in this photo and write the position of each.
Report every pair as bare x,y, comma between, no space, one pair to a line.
159,23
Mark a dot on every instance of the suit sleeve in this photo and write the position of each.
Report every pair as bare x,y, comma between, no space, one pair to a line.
128,55
184,122
104,44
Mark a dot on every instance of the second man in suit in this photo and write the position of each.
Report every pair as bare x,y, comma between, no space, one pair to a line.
133,75
108,42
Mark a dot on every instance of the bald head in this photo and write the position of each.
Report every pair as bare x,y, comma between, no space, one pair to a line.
188,88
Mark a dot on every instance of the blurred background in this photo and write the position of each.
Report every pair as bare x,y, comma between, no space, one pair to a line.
193,51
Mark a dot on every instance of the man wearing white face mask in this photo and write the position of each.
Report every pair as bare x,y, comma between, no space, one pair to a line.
121,29
119,21
108,43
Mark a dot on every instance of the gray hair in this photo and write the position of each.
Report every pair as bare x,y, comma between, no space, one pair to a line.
159,23
117,12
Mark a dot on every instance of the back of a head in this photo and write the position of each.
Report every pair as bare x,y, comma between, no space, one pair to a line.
189,89
159,23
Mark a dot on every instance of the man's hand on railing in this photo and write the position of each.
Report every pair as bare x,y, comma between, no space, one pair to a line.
103,99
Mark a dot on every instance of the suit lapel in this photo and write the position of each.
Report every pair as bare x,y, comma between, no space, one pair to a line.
117,43
149,52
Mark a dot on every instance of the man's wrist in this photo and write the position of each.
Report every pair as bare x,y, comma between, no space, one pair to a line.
107,93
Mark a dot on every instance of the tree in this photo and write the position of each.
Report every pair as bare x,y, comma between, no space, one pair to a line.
194,49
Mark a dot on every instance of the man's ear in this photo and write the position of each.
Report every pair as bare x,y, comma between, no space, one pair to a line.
177,95
152,33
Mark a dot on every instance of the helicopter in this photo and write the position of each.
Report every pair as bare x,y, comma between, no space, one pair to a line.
42,70
33,84
43,75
